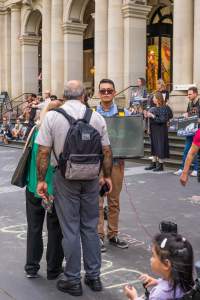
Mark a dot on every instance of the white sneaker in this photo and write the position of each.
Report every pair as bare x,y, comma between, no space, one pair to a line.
194,173
179,172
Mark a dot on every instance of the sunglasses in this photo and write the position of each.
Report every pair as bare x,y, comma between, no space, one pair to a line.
106,91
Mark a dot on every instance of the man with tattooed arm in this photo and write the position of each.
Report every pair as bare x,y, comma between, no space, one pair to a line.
76,201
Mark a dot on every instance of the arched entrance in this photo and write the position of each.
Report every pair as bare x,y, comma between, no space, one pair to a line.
31,42
159,47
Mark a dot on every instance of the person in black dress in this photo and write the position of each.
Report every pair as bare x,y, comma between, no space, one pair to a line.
158,123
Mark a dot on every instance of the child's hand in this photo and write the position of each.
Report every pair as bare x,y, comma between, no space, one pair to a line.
148,281
130,292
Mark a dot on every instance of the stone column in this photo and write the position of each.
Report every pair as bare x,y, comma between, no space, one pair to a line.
16,74
101,41
73,53
115,43
29,46
135,24
196,69
183,40
46,45
7,46
57,48
2,53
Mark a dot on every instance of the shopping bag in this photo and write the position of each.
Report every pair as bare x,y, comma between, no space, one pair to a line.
20,174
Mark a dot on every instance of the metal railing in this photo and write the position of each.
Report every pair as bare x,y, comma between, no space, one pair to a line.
12,106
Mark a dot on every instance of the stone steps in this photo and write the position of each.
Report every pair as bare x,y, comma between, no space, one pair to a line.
176,145
176,150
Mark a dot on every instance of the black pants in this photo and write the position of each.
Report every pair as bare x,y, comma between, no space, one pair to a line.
35,218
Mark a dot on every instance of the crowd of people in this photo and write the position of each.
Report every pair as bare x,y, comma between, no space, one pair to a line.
19,129
78,223
157,115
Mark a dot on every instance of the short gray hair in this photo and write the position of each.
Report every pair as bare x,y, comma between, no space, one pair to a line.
74,90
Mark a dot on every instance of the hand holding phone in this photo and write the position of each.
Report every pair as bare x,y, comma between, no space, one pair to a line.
104,189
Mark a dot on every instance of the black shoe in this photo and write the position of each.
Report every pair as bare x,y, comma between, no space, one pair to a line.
151,166
53,276
102,245
159,168
115,241
31,275
70,287
94,283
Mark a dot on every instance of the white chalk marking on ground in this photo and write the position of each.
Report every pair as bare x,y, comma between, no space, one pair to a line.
19,230
9,167
9,189
195,199
117,285
131,240
121,284
7,157
4,180
140,170
6,151
108,265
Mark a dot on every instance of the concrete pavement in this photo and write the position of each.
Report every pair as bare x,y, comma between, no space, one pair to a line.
147,198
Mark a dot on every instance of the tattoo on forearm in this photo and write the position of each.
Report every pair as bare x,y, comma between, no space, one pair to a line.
107,161
42,162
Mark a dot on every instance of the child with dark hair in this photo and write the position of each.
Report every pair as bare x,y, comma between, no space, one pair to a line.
172,259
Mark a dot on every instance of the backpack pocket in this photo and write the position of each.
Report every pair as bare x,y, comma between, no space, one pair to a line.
83,167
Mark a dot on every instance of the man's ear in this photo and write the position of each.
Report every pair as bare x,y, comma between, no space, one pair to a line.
82,98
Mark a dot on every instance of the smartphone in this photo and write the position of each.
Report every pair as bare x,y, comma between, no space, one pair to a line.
104,189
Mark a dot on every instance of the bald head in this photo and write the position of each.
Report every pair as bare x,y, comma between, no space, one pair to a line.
74,90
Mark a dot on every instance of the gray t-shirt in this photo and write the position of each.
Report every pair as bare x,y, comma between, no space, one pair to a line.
54,128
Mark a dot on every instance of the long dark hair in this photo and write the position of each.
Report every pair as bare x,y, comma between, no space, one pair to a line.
159,96
179,252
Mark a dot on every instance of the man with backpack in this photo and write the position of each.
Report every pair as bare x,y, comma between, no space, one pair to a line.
79,141
109,109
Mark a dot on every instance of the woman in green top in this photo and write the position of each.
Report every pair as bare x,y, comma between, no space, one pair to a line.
35,218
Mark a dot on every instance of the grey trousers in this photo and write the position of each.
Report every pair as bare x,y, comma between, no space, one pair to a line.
77,208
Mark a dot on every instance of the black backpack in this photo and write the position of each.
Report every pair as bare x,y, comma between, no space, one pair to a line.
81,158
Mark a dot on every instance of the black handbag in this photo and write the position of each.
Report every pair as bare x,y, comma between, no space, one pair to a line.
19,177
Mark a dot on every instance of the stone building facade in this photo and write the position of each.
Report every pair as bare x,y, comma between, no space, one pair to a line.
60,40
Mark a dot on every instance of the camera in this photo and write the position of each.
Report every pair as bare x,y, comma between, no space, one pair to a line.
168,227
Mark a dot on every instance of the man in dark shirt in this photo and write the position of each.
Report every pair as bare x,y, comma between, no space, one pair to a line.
192,110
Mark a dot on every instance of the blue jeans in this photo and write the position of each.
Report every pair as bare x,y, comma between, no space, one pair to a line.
188,144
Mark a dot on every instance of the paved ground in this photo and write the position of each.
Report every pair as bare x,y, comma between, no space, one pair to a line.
150,198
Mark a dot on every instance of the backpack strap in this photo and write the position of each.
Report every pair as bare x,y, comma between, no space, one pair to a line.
88,114
70,119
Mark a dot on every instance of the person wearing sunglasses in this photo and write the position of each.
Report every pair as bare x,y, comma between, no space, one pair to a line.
108,108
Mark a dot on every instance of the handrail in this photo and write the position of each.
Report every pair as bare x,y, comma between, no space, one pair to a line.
130,86
16,106
14,99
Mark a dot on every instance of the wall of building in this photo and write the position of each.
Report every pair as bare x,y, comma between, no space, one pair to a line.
120,42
